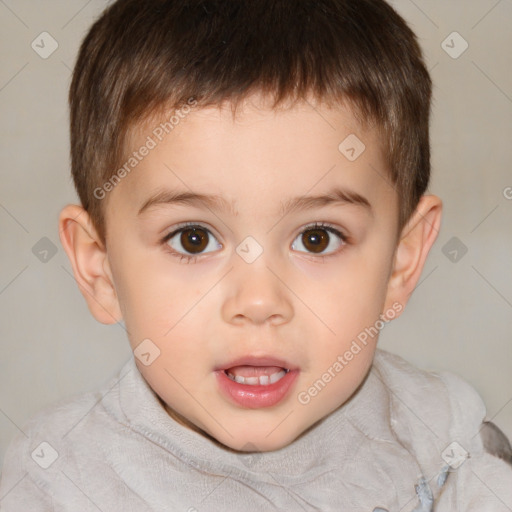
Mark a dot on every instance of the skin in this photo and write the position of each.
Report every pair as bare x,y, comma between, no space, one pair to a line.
290,302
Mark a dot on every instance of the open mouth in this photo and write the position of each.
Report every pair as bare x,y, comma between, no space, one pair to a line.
255,382
256,375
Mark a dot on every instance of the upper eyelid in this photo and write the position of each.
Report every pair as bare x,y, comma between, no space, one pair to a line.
188,225
317,224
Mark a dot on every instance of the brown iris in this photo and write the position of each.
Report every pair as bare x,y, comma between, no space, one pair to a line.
194,240
315,240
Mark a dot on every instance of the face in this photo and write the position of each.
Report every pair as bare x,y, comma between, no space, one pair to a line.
248,256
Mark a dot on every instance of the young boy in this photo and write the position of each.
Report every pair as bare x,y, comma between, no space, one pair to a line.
252,178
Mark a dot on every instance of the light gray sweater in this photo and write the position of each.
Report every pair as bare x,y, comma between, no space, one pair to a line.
407,441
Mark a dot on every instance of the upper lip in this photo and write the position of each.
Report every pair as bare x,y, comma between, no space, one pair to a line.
257,361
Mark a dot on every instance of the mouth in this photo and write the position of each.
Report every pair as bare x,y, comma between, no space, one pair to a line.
256,375
254,382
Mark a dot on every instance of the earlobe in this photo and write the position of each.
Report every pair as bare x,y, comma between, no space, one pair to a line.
415,242
89,260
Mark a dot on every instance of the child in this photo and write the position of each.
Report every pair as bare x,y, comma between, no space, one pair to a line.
253,182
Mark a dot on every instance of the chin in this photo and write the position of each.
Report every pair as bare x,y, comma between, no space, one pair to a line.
257,440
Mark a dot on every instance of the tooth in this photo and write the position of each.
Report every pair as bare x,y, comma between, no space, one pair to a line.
262,380
277,376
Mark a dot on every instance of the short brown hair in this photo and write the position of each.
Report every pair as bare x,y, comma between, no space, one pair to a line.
141,57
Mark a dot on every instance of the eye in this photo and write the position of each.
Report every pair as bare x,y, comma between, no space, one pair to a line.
191,240
318,239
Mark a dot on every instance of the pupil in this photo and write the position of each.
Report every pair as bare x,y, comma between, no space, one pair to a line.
315,240
194,240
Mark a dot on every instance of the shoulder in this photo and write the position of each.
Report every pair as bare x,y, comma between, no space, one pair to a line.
430,389
441,419
31,457
48,443
445,404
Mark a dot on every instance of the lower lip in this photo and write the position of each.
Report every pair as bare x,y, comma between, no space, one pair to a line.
255,397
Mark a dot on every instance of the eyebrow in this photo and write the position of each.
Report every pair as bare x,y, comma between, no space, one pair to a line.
337,195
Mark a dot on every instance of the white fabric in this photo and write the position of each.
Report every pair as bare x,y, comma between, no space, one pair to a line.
118,450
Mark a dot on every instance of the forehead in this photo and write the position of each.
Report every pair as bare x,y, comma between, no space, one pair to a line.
260,154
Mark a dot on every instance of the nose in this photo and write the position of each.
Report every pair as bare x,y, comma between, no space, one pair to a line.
257,294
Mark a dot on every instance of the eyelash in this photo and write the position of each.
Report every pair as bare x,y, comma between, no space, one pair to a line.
192,258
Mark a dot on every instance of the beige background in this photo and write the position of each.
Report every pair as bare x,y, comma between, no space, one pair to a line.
460,317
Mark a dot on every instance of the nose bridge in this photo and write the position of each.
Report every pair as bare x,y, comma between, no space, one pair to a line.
256,294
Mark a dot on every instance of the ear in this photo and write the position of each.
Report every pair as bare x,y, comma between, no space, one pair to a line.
416,239
88,257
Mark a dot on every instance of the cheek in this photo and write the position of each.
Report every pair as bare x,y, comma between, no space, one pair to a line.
350,304
335,381
172,315
354,291
151,294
